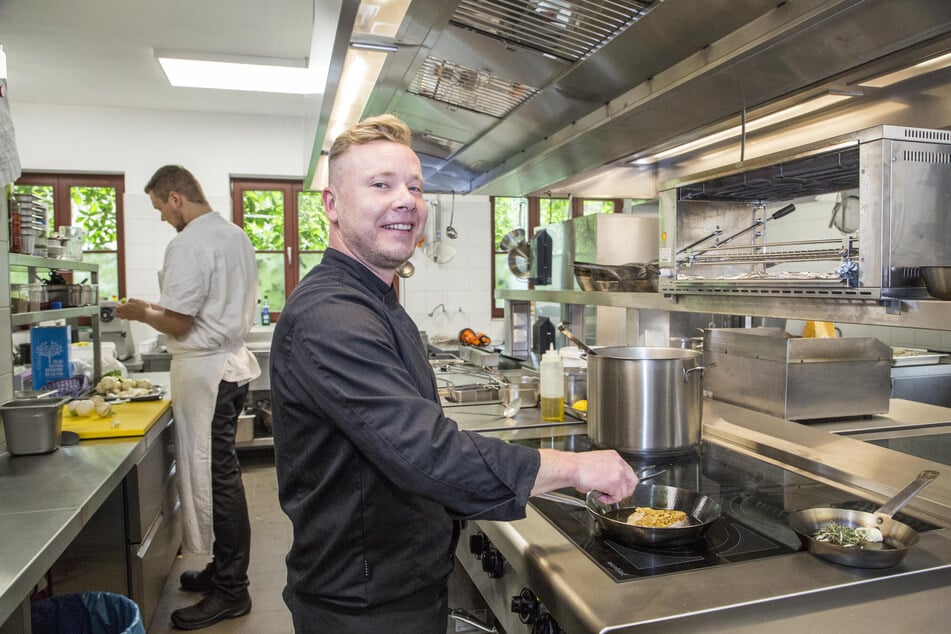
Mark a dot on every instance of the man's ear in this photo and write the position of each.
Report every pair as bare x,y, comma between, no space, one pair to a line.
330,203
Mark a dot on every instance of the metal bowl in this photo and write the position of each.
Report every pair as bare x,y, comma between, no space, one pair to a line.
937,280
525,388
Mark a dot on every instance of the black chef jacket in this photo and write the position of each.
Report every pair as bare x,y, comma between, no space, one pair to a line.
370,470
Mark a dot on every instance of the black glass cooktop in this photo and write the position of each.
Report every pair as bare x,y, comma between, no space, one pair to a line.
755,496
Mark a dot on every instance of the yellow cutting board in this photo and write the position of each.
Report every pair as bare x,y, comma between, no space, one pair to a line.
130,419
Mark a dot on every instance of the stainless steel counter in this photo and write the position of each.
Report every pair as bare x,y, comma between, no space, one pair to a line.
793,592
45,500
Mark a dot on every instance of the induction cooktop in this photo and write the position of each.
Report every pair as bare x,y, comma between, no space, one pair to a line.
756,497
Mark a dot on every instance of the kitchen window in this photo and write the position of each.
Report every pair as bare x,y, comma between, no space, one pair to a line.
94,203
526,213
288,229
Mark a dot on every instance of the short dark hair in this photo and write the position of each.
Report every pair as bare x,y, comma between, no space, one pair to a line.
175,178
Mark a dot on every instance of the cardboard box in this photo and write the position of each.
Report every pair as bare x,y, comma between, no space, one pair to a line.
50,354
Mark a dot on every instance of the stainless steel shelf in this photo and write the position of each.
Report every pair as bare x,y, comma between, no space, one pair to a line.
24,319
51,263
930,314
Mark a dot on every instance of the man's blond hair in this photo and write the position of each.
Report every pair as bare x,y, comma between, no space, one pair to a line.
384,127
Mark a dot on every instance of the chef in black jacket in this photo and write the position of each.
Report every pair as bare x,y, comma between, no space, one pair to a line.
372,474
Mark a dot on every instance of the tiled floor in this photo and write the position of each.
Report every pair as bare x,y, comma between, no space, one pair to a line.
270,540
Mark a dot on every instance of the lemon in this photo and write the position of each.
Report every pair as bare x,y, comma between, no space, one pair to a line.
581,406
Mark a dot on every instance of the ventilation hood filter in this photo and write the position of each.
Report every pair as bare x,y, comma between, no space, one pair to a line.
463,87
566,29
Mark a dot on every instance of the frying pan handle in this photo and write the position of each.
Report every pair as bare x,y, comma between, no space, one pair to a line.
562,498
904,496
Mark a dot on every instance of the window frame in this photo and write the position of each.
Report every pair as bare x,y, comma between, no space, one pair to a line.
61,182
291,254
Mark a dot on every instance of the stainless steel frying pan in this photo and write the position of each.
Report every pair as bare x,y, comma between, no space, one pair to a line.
701,511
899,538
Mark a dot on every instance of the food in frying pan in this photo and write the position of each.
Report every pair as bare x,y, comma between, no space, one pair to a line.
656,518
847,536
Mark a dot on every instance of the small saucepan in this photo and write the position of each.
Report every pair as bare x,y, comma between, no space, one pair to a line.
701,511
898,538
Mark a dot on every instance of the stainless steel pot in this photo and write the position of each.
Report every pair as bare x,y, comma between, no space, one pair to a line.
645,400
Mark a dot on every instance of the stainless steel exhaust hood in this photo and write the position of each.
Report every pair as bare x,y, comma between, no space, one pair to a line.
511,97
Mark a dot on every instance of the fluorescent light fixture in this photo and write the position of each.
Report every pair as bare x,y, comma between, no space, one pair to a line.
3,63
361,69
380,17
792,112
927,66
247,74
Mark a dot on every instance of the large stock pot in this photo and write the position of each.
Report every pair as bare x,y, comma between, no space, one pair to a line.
645,400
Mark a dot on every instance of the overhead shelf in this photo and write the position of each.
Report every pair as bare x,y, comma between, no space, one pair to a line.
930,314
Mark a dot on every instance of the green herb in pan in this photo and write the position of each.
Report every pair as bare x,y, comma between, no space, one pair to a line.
847,536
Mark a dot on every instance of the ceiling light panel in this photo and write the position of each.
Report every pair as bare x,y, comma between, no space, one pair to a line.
567,29
469,88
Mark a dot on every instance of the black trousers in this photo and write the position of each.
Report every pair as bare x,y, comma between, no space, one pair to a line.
232,528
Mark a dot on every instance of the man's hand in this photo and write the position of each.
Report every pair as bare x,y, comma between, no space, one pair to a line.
132,309
162,319
603,471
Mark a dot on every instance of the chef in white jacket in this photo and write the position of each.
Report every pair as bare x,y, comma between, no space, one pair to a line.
209,291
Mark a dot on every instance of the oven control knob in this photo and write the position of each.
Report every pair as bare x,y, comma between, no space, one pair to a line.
477,544
526,605
493,562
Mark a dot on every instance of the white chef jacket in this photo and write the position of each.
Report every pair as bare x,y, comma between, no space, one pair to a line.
209,273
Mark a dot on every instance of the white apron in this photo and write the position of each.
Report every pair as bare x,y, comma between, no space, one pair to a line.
195,377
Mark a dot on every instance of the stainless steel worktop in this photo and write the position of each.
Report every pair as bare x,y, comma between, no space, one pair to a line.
45,500
784,593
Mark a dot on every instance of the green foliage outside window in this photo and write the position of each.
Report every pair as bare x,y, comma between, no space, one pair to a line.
597,207
264,219
313,225
552,210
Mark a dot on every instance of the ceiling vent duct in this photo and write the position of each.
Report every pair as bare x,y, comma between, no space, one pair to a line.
566,29
463,87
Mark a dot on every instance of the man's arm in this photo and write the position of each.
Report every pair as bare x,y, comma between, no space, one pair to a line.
603,471
164,320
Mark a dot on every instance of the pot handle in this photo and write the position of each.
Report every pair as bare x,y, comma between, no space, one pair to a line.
697,368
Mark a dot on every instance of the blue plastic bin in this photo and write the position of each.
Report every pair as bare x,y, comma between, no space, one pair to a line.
86,613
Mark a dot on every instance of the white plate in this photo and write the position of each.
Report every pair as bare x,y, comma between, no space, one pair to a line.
154,394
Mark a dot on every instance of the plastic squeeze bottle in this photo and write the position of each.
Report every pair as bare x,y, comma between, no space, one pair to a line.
552,386
266,313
